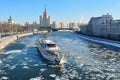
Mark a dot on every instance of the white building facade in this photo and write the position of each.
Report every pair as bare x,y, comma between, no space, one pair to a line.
101,25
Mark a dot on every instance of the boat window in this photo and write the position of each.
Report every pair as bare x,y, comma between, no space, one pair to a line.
51,45
50,52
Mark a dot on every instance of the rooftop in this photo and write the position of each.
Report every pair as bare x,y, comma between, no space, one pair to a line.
48,42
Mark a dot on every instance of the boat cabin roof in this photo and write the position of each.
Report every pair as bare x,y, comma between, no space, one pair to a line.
48,42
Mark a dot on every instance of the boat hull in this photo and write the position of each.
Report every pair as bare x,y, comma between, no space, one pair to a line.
48,57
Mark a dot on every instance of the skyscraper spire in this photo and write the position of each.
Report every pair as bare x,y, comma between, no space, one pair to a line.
45,12
45,19
45,7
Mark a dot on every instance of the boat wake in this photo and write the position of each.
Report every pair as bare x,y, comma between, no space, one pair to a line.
60,65
63,60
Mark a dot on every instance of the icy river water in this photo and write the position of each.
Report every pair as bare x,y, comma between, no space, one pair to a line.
83,60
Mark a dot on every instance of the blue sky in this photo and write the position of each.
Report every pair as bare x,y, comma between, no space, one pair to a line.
59,10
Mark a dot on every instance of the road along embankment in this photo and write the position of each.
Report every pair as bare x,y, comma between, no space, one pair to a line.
5,41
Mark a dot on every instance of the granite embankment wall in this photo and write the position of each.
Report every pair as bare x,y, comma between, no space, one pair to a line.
4,42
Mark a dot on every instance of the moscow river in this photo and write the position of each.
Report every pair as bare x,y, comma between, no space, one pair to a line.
83,60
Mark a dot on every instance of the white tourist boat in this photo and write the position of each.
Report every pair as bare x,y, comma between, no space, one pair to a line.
50,51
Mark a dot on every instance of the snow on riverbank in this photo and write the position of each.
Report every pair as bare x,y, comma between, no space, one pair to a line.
101,41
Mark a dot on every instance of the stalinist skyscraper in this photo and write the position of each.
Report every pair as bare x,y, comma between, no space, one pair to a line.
45,19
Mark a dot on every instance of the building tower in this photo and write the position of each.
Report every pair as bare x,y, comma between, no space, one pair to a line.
10,21
40,21
45,19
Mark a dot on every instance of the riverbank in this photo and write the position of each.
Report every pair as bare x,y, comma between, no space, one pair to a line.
7,40
100,40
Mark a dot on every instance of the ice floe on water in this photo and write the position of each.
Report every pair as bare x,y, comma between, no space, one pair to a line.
36,65
42,70
4,78
2,72
52,75
7,65
30,60
24,63
26,58
10,57
82,61
26,67
25,50
12,67
0,61
37,78
13,51
57,78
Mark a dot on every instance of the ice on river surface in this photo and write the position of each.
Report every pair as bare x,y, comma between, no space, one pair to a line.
83,59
